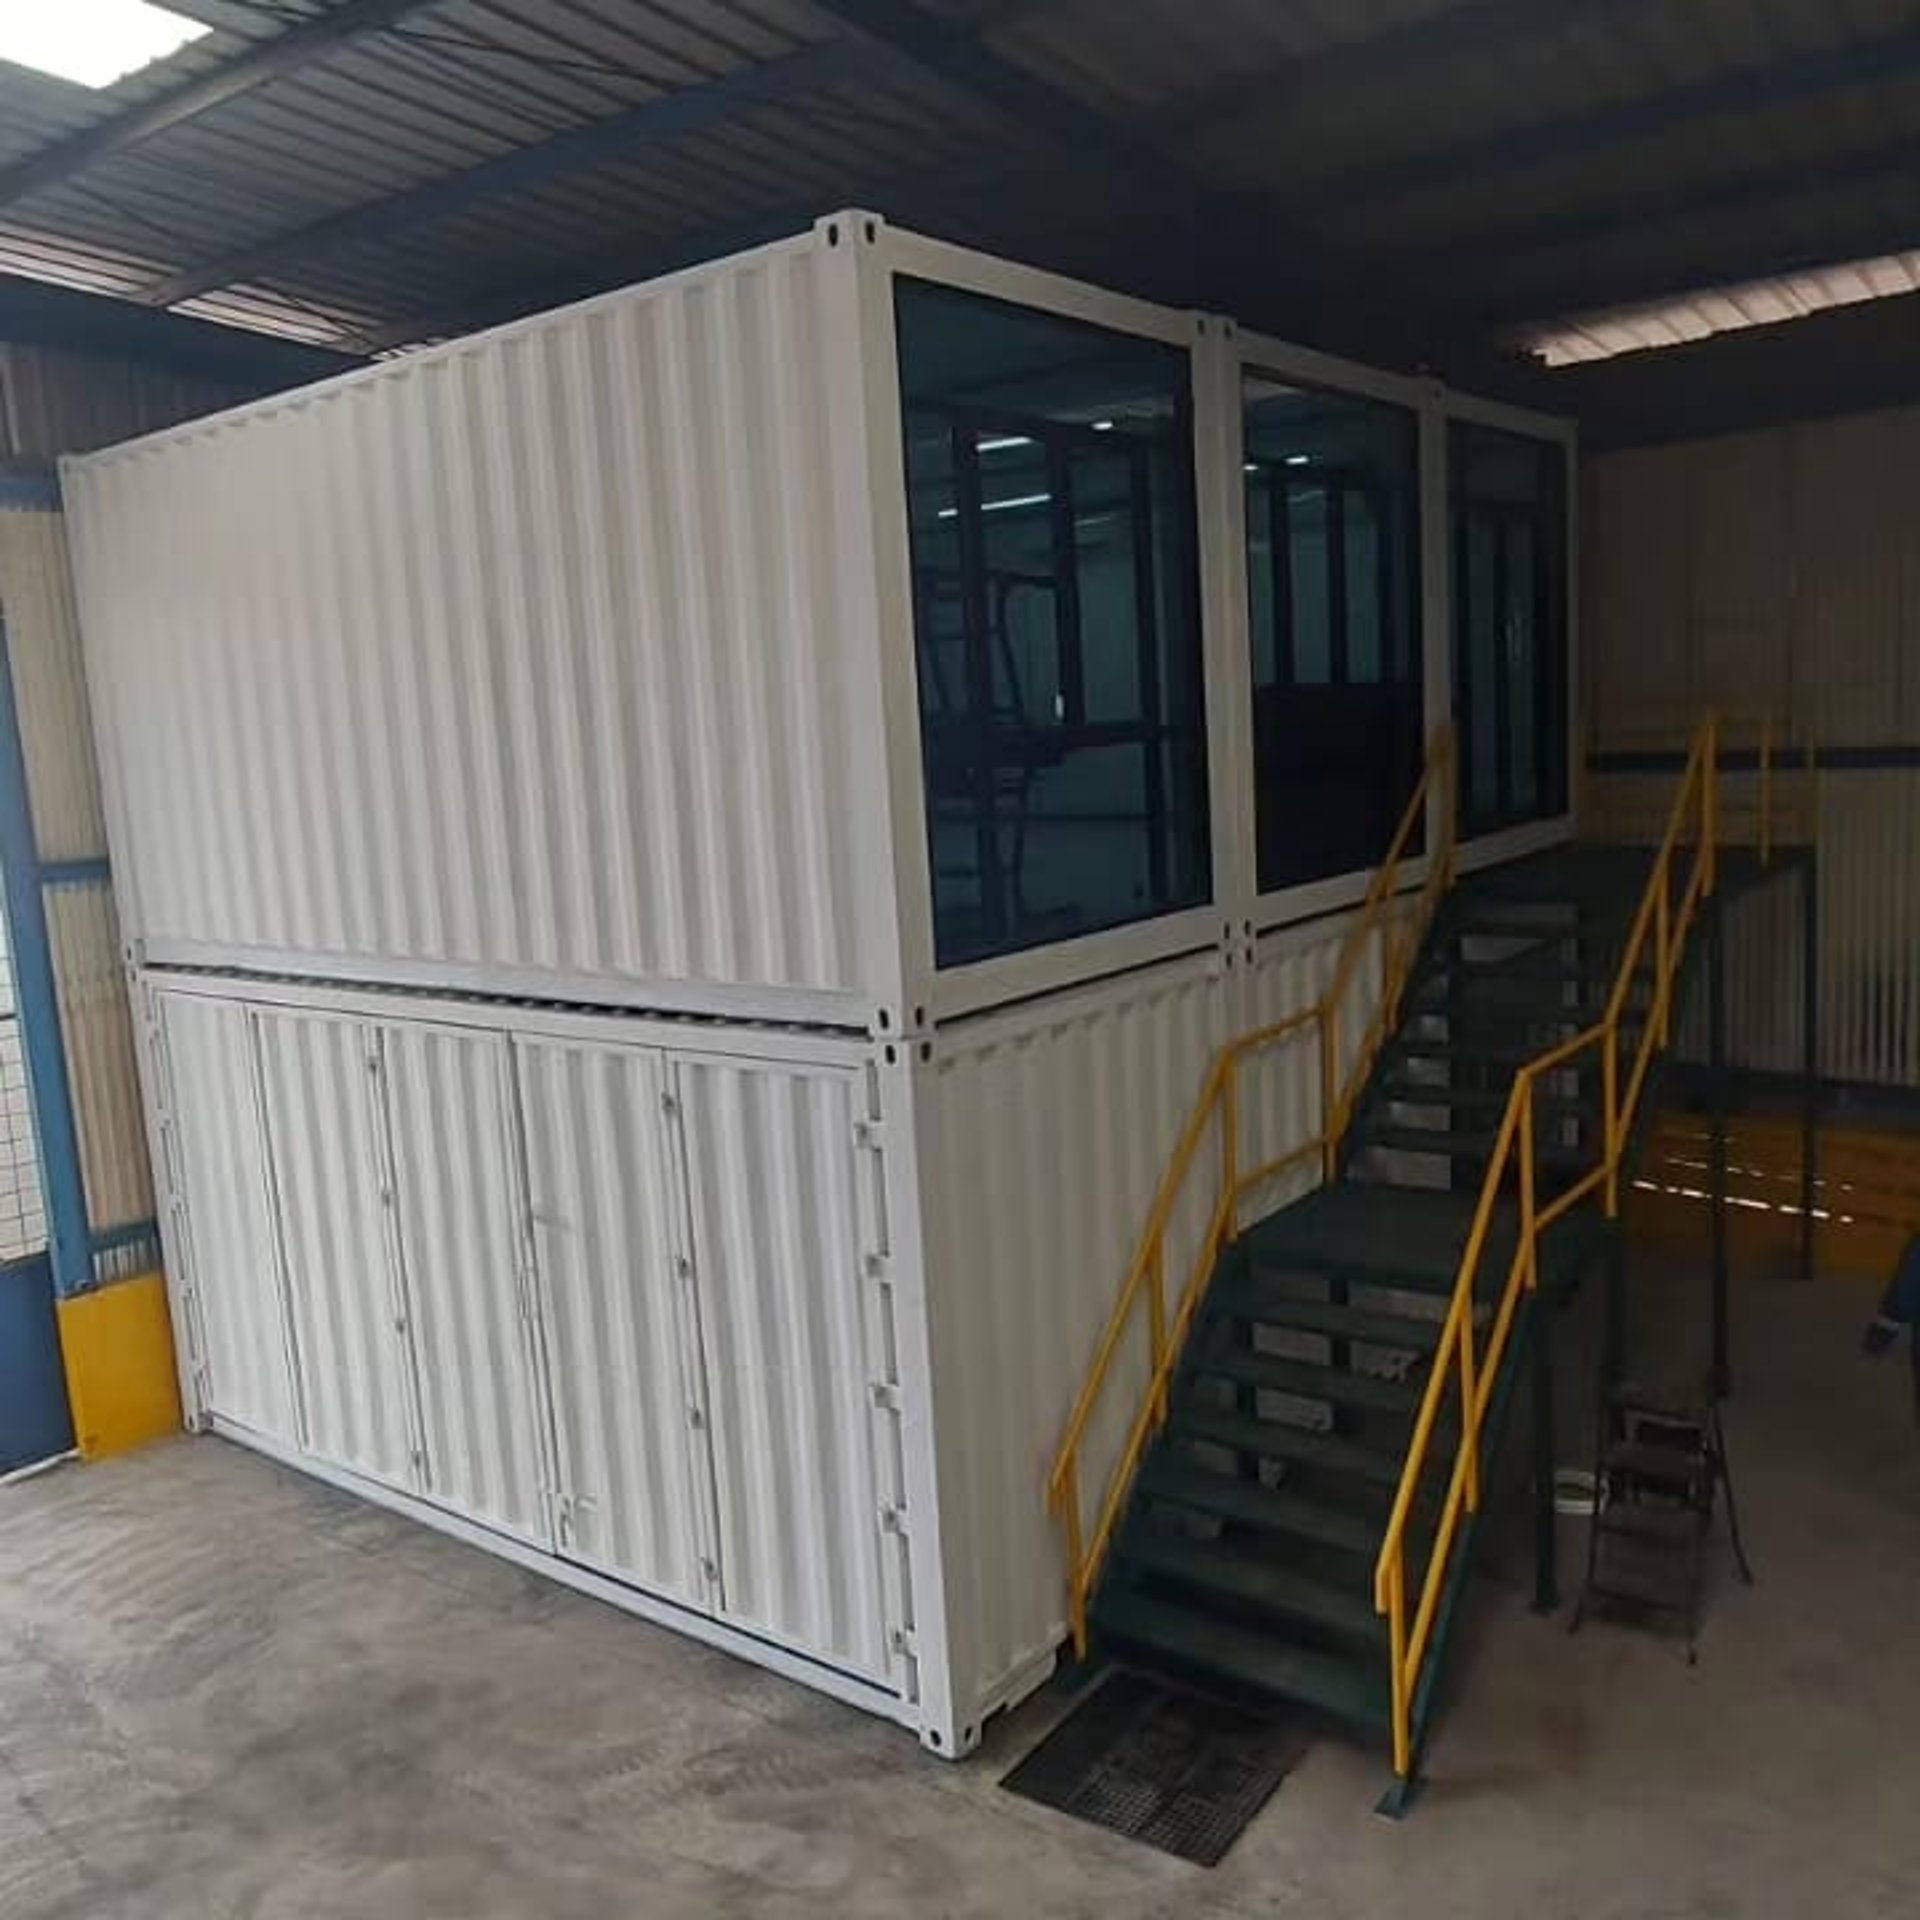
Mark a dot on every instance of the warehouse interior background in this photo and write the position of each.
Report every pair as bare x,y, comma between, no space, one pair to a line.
1688,234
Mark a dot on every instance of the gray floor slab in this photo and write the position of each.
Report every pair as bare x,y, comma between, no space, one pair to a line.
227,1691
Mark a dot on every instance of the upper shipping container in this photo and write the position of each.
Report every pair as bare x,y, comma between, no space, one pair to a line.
860,631
544,662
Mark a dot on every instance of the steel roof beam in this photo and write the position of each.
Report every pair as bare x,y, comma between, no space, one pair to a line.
957,58
1518,245
1511,150
621,136
1391,54
264,61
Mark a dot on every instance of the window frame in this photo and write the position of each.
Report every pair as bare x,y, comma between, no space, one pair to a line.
946,993
1260,356
1532,836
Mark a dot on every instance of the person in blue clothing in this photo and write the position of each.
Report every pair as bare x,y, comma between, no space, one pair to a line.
1900,1307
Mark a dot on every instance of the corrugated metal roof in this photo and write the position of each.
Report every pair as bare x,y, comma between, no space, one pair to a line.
1753,303
1438,146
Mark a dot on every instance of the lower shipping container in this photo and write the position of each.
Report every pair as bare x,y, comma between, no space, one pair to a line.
767,1334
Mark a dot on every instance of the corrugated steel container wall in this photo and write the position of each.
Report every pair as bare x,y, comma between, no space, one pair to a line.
620,1338
221,1240
461,1238
83,931
321,1109
1773,573
538,656
1042,1136
621,1301
792,1376
1282,1104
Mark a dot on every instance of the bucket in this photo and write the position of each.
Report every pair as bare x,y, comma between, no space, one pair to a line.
1577,1493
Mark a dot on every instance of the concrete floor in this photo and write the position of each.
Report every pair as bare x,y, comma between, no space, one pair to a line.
227,1691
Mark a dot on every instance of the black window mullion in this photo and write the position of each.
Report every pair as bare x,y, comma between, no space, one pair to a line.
970,521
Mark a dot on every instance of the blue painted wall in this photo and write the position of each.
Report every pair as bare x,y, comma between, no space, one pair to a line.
34,1422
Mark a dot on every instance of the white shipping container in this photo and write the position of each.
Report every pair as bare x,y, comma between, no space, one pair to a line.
589,1127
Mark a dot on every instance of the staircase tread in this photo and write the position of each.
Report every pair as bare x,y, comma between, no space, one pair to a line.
1233,1571
1296,1446
1306,1379
1405,1237
1673,1464
1669,1527
1353,1689
1404,1092
1465,1142
1248,1299
1255,1505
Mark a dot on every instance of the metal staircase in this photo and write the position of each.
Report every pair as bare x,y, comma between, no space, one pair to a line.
1293,1506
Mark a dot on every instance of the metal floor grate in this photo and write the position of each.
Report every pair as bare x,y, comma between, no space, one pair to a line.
1178,1771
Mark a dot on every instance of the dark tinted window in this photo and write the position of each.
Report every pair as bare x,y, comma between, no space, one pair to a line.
1333,546
1056,605
1510,625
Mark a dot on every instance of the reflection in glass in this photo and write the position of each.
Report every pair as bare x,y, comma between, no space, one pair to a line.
1333,543
1510,625
1050,498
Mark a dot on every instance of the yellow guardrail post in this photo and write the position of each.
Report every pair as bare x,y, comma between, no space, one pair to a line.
1399,1682
1230,1143
1069,1502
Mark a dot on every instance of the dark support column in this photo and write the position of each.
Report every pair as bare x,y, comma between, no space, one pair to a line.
1616,1335
1717,1154
1810,1055
1546,1530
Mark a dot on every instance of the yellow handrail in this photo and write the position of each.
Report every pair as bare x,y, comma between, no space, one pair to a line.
1457,1364
1219,1104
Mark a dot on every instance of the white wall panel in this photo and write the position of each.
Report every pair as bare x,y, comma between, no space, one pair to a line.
1042,1136
49,679
458,1186
83,931
217,1168
620,1333
1774,573
778,1246
320,1097
538,655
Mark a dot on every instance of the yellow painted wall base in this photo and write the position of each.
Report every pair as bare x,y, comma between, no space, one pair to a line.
117,1343
1866,1192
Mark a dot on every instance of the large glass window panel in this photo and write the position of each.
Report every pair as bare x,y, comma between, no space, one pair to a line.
1056,608
1333,577
1509,503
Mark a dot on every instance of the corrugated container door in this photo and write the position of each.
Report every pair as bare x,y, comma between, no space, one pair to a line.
464,1261
778,1248
320,1084
242,1361
633,1489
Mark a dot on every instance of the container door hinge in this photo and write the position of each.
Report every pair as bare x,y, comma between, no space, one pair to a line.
870,1135
902,1641
886,1396
893,1519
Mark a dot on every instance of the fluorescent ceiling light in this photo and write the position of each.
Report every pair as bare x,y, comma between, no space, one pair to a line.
1001,506
1005,441
1696,316
1103,426
1299,459
91,42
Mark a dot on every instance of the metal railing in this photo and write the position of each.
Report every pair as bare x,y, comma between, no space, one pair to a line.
1657,938
1217,1114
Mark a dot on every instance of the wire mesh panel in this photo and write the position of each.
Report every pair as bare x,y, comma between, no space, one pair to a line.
23,1219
